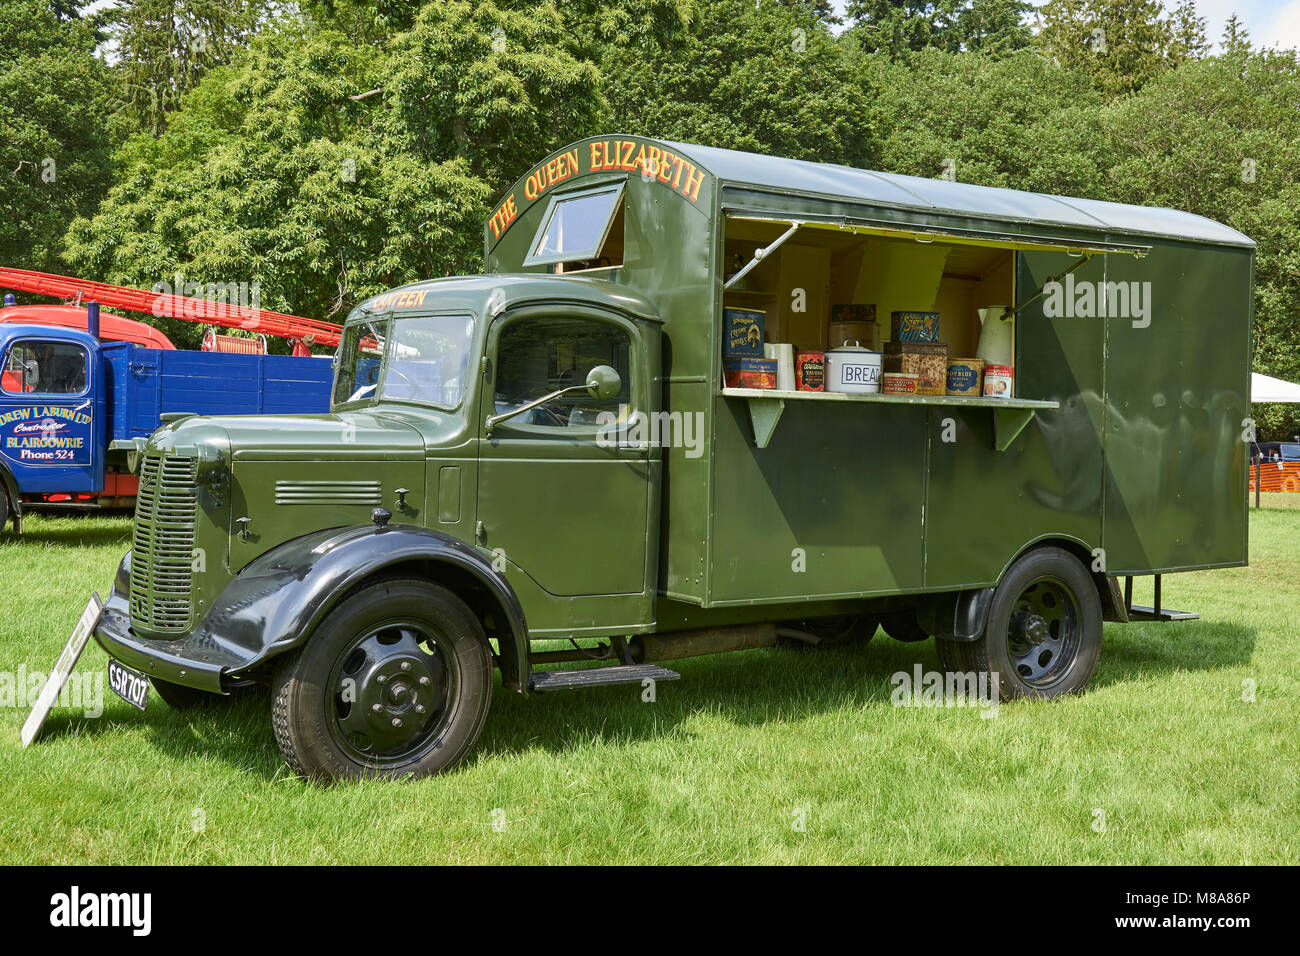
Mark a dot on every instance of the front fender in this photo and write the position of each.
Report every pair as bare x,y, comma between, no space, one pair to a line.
281,596
276,602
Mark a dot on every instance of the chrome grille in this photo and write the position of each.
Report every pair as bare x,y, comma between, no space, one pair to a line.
162,548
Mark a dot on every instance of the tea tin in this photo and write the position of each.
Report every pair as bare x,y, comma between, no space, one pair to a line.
810,371
914,326
927,360
749,373
999,381
898,383
964,376
742,333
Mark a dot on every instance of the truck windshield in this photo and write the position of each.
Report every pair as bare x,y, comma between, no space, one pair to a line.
417,359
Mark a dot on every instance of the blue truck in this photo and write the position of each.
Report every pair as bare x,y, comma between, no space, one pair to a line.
74,409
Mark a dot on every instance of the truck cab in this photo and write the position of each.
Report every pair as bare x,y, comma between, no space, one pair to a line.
52,424
551,452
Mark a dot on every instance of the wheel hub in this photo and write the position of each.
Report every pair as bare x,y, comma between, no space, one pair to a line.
389,690
1043,632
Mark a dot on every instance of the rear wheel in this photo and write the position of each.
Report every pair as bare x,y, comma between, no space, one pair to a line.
396,681
1043,635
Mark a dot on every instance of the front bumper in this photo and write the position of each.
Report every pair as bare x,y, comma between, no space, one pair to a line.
195,660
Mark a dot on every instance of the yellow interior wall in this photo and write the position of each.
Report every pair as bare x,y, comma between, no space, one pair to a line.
891,274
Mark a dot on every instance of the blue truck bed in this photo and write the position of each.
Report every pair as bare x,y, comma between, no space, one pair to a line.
143,384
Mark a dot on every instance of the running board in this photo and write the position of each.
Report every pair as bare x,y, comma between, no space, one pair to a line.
599,677
1139,612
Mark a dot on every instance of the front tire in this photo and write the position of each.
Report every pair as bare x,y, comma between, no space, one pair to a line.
1043,635
395,682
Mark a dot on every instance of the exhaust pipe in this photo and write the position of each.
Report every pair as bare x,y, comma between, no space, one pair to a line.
92,319
707,640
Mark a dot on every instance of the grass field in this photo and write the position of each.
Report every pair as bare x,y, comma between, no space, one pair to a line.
766,757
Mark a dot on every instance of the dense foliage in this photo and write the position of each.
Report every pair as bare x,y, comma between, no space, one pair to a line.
327,149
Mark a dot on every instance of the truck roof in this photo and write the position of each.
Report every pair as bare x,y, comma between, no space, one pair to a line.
794,177
490,294
112,328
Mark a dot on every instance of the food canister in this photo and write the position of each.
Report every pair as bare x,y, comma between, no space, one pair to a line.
749,373
999,381
853,369
898,383
964,377
810,371
926,360
854,321
742,333
914,326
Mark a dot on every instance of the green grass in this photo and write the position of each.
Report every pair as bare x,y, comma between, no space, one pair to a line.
718,768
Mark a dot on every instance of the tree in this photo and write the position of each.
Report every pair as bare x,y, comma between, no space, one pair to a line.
326,170
55,140
1120,45
896,27
1017,121
768,79
1219,138
163,48
495,86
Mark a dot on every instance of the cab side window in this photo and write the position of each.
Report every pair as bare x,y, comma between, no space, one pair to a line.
541,355
49,368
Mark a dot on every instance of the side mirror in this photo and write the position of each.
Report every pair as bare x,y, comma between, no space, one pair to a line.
604,383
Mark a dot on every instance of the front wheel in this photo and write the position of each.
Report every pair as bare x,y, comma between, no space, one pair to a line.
1043,635
396,681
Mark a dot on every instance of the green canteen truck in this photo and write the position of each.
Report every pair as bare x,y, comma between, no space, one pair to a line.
545,466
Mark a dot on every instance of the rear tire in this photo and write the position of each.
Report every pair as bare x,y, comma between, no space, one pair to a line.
1043,635
395,682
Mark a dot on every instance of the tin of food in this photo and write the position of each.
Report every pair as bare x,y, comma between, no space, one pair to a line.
898,383
742,333
999,381
853,369
810,371
854,321
927,360
914,326
749,373
964,376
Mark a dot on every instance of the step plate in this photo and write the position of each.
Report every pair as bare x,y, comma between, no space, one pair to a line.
599,677
1139,612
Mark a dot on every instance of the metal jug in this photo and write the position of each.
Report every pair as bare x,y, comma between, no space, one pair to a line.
998,336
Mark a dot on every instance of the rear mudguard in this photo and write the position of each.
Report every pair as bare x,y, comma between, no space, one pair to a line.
277,601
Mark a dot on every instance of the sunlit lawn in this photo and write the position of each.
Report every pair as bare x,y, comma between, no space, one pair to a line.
767,757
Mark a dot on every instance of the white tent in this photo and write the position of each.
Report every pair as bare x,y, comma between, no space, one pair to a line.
1266,389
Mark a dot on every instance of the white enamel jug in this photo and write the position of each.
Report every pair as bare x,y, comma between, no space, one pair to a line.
998,336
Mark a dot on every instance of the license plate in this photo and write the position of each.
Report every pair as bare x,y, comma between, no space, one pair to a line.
127,684
62,670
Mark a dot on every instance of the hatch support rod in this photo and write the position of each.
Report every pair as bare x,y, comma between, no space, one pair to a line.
761,253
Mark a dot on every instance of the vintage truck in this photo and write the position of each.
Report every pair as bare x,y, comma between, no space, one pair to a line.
80,391
548,453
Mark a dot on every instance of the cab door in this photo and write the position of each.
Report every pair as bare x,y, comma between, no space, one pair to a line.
567,494
51,432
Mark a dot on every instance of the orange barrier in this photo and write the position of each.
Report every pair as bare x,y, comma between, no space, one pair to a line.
1277,476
